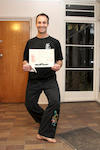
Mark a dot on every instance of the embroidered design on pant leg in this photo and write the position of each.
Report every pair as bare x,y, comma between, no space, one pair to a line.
54,118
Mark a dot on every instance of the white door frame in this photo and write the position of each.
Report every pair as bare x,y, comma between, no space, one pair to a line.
71,96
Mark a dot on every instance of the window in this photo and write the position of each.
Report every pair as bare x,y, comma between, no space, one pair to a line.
79,80
80,10
79,56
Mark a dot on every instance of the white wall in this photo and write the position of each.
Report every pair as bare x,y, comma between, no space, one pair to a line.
30,8
98,49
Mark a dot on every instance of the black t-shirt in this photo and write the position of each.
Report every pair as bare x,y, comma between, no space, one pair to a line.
41,43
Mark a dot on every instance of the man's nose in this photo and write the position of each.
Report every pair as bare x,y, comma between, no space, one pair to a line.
41,24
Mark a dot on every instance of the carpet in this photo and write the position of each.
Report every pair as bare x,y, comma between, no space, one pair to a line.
82,139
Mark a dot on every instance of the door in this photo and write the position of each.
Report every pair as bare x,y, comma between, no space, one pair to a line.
13,80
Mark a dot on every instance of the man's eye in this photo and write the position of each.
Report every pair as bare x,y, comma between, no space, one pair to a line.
39,22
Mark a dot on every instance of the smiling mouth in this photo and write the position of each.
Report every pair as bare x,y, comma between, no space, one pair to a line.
41,28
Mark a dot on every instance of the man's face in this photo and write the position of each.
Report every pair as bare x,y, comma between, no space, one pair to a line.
42,24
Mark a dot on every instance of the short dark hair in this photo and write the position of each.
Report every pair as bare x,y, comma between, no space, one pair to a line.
43,14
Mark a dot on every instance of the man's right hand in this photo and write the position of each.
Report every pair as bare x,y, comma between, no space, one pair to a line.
27,67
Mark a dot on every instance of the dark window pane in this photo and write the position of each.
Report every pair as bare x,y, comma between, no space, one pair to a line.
79,80
80,33
80,7
74,13
79,57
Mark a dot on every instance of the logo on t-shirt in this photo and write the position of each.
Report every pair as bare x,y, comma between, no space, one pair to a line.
47,46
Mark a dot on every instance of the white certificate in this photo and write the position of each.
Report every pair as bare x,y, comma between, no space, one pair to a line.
41,58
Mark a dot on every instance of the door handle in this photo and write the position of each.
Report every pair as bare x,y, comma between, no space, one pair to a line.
1,41
1,55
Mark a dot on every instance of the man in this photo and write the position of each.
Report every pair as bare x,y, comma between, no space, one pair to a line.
43,79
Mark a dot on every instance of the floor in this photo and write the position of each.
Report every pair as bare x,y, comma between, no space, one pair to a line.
18,130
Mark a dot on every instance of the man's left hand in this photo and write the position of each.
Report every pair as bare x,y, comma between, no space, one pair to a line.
56,67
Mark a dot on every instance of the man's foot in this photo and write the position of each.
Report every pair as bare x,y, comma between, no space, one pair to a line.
51,140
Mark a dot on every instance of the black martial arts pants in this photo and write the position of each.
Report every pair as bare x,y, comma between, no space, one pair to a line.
47,118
